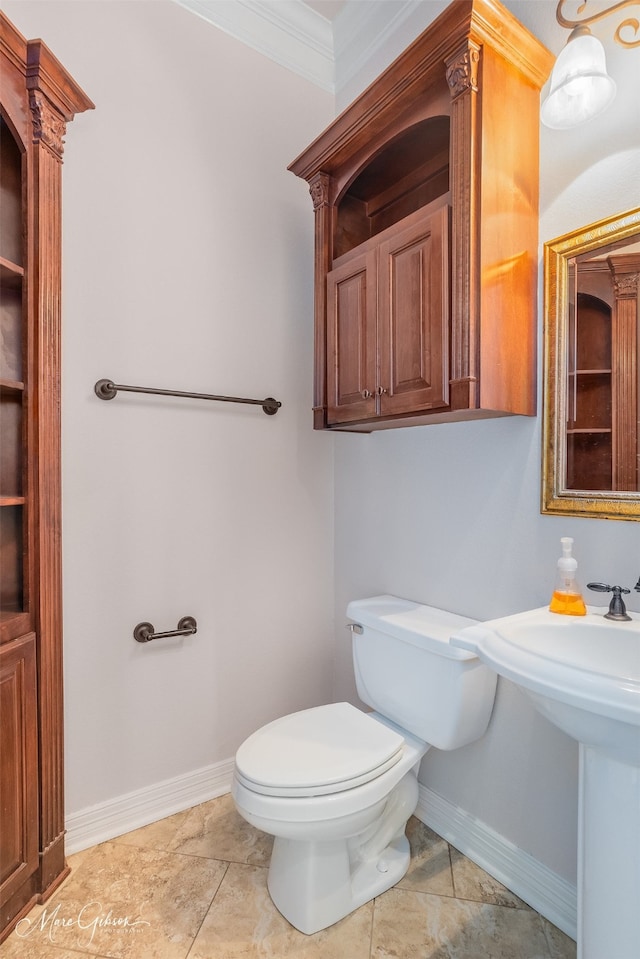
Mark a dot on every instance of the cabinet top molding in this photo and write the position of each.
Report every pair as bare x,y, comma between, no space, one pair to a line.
480,22
42,71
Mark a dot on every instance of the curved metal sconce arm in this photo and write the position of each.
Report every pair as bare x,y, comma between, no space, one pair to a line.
631,23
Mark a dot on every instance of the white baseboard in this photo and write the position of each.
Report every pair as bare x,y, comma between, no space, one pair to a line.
545,891
140,808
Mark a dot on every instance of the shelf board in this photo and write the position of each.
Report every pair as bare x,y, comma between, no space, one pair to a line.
597,429
11,386
10,274
12,501
7,615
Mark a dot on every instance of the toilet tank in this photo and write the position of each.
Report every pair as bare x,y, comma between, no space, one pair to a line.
407,671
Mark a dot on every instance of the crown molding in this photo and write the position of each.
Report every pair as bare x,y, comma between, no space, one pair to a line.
291,33
287,31
361,30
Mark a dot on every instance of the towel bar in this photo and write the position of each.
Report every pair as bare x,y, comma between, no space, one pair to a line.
107,389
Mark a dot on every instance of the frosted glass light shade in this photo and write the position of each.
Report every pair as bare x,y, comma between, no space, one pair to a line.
581,88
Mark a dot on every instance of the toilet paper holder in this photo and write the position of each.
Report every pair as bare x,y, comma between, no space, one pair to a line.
145,632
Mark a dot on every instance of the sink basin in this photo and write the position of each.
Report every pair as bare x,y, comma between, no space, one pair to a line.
583,674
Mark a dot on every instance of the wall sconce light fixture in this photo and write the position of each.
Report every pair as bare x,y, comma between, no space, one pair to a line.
581,88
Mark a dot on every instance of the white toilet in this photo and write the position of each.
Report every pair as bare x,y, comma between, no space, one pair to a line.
336,785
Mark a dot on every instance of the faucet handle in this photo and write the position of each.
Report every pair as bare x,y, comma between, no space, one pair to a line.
617,609
637,586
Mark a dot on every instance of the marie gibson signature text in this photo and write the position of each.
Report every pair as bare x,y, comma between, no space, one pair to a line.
91,917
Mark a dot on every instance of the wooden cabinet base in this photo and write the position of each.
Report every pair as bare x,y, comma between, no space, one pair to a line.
21,904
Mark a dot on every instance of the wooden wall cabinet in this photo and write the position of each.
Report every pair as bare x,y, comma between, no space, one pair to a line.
425,193
38,99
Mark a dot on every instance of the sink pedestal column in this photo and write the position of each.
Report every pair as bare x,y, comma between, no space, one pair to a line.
608,857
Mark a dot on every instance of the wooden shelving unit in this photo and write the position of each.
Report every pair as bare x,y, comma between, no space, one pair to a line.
38,99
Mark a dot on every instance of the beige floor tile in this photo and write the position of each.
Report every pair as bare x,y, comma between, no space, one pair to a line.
76,859
158,835
430,866
217,831
26,949
125,902
174,878
561,946
243,922
472,882
410,925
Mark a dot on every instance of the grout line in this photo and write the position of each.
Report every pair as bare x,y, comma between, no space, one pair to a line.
453,879
373,915
208,909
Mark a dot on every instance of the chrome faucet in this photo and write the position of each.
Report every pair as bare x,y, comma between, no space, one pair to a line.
617,609
637,586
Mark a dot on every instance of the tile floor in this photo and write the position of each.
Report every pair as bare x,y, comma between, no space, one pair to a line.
193,886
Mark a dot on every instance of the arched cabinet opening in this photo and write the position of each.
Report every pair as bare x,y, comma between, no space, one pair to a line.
406,174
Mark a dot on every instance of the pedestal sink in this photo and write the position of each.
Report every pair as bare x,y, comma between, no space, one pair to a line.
583,674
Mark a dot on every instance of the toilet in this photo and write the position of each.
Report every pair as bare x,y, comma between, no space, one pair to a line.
336,785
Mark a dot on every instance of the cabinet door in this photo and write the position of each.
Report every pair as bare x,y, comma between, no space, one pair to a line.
351,339
413,316
18,765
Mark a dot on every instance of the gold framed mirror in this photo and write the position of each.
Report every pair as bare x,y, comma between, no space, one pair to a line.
591,426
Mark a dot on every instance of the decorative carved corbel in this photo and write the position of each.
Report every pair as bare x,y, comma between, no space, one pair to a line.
626,285
48,126
462,70
319,190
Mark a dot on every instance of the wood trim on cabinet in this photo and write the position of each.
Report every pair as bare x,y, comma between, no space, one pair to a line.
462,70
624,341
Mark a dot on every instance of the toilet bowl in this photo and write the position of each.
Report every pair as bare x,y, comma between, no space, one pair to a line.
336,786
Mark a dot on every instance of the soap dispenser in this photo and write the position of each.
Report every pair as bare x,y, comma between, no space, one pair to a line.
567,597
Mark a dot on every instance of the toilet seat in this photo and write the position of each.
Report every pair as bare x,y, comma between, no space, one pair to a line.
327,749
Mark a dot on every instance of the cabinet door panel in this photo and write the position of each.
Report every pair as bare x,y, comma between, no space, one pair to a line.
413,304
351,339
18,764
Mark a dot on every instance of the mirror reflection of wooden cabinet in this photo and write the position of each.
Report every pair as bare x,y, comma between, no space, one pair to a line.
602,372
38,98
425,192
591,445
589,434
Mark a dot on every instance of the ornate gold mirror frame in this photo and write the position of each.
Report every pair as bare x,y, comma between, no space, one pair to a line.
561,259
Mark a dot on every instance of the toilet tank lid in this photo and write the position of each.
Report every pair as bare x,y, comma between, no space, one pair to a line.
425,626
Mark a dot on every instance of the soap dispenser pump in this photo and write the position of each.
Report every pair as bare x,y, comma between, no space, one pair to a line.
567,597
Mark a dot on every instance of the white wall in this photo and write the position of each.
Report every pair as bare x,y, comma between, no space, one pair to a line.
450,514
188,258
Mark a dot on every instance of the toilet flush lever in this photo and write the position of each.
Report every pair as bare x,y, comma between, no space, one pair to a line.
355,628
